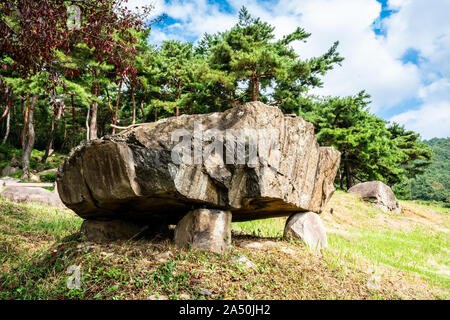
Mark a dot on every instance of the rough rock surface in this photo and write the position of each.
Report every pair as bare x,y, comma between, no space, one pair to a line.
307,227
205,229
31,194
379,194
99,231
132,176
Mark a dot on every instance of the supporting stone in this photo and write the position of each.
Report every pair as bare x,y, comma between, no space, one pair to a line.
307,227
100,231
205,229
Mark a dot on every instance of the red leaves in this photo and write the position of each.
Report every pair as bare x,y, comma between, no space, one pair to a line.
43,29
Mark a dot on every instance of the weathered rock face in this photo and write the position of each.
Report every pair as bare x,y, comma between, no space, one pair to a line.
205,229
133,175
379,194
27,194
306,227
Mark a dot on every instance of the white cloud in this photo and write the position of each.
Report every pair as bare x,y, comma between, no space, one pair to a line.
432,119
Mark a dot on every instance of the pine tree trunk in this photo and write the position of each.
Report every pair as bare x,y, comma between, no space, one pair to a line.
53,132
8,116
256,89
25,120
93,123
178,97
348,173
116,115
134,107
87,124
142,111
156,114
72,141
29,144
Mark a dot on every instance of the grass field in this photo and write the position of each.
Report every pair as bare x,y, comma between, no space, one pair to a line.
371,255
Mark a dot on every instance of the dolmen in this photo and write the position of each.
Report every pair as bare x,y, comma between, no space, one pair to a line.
199,172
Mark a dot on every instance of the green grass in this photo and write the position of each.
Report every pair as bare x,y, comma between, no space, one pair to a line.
420,250
267,228
38,244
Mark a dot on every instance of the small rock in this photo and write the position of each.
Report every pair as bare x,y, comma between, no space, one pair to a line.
307,227
8,170
205,229
243,260
34,178
32,194
288,250
185,296
49,171
204,292
163,257
251,245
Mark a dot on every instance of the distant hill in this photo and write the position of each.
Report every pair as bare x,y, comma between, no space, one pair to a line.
435,183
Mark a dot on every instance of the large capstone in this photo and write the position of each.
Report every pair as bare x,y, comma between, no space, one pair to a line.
251,160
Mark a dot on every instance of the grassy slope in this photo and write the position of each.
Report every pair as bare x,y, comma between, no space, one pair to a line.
372,255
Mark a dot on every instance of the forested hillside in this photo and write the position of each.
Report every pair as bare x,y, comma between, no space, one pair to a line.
434,184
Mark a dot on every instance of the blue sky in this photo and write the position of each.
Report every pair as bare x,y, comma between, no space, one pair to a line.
397,50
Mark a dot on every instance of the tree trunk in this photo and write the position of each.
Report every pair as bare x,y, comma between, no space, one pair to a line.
256,89
156,114
72,140
29,144
178,97
87,124
116,115
348,173
8,115
142,110
53,132
25,120
134,107
93,123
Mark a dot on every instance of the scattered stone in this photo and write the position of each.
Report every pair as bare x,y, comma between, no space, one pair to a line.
8,170
307,227
257,245
49,171
379,194
99,231
205,229
133,173
184,296
158,297
204,292
16,161
31,194
288,250
251,245
33,177
244,261
163,257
